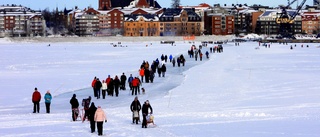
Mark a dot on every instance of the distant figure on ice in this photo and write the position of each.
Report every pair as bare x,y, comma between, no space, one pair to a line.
145,111
130,81
135,83
75,107
163,70
92,112
85,103
170,57
141,72
123,80
100,117
92,85
36,97
97,87
135,108
47,98
207,54
116,83
104,89
173,62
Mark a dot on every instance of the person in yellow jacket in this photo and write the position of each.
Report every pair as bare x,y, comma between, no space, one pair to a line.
100,117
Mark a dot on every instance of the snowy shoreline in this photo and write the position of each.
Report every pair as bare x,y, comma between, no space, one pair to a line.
113,38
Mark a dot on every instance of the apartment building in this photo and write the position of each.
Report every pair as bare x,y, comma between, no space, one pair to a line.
310,22
21,21
111,22
87,23
180,22
218,21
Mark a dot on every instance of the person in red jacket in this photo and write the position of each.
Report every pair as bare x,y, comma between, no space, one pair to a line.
36,97
135,84
92,85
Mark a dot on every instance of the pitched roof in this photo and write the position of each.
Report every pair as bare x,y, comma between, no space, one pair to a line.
146,17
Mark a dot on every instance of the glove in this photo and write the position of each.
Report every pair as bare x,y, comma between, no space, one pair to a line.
105,121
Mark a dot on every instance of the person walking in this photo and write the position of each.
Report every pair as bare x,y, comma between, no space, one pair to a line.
47,98
163,70
145,111
117,84
104,89
173,62
123,80
130,81
147,75
141,72
111,87
92,112
151,75
135,108
100,117
36,98
207,54
86,104
135,83
92,85
75,107
97,87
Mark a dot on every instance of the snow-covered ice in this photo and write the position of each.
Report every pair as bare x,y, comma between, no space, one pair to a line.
242,92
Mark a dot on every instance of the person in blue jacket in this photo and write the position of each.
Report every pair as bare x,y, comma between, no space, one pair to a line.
47,98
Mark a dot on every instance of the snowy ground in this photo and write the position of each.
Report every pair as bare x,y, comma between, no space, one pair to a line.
242,92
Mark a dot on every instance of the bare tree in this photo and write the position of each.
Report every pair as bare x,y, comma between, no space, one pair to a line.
175,3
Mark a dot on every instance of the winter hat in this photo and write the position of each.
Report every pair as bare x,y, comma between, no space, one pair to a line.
74,95
35,89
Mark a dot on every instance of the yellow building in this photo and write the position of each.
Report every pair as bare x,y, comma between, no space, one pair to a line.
141,25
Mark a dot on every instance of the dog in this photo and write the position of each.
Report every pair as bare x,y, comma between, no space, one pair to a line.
143,90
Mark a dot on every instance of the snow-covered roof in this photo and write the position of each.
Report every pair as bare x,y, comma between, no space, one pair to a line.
128,11
145,17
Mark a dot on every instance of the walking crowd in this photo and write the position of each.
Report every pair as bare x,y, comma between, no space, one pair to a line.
112,85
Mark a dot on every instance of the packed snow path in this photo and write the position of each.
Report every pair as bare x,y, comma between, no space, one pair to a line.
240,92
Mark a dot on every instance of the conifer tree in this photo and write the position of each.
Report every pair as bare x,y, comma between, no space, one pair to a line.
175,3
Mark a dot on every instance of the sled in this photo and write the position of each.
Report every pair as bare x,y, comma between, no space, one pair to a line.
150,121
135,116
76,114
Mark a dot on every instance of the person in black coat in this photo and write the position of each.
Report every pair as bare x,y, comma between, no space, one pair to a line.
163,70
116,83
147,75
123,80
145,111
92,111
75,107
97,87
151,75
111,87
135,106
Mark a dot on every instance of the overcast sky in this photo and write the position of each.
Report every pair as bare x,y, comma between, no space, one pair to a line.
69,4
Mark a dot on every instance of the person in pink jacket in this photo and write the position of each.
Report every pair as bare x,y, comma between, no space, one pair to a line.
100,117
